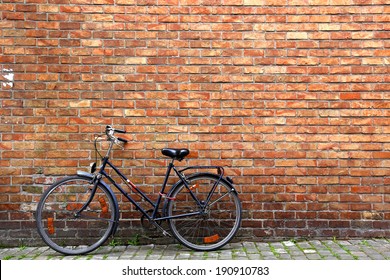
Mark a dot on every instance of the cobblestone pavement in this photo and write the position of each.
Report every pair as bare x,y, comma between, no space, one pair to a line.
372,249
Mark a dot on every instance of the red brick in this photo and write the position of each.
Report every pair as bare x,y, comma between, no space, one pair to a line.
351,95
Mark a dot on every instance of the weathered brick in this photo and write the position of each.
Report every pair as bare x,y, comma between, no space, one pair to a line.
292,96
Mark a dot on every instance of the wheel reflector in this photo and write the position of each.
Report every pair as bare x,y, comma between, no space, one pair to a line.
211,239
193,187
50,225
103,204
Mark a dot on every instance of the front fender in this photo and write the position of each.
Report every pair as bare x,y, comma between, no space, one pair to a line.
116,209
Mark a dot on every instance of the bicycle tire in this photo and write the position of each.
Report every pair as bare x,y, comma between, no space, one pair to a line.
57,224
212,229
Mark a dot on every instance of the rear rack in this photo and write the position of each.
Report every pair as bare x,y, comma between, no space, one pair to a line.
220,170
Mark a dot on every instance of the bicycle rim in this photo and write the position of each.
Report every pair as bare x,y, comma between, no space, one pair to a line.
57,222
216,226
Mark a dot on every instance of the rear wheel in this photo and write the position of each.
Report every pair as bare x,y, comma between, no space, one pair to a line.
62,228
213,220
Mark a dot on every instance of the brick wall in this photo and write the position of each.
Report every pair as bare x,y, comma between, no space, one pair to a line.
292,95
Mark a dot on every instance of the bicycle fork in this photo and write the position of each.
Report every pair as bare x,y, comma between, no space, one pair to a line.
95,180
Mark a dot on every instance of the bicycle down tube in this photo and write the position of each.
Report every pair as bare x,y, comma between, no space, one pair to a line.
156,204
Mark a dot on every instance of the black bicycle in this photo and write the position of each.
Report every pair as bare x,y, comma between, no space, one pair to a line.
79,213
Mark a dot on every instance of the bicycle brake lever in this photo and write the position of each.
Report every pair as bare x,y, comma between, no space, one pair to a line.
119,142
122,140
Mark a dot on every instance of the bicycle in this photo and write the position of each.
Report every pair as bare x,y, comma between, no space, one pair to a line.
79,213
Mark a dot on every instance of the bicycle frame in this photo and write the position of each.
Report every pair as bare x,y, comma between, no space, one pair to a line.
155,205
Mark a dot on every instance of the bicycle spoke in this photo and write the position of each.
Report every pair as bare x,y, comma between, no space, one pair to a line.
218,221
59,223
97,218
212,203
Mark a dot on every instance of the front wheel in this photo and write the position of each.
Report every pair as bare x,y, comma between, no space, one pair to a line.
63,228
208,212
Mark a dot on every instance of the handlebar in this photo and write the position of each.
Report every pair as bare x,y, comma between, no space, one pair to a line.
110,134
120,131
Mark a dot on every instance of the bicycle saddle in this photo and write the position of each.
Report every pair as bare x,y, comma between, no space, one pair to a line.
177,154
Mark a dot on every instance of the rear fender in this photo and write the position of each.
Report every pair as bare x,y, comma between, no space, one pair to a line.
116,209
216,176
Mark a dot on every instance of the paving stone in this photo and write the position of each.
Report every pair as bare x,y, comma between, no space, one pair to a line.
153,257
252,250
305,245
325,253
356,242
255,257
346,257
239,254
69,258
118,249
358,254
170,255
267,253
280,250
285,257
232,246
314,257
344,243
4,253
288,243
84,257
309,251
11,253
306,250
225,255
386,255
112,257
297,255
331,258
212,256
197,256
376,257
99,257
272,257
183,256
103,250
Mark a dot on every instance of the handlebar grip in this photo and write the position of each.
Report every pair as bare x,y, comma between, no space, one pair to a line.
123,140
120,131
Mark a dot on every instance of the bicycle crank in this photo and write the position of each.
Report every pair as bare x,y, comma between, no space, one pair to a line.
149,224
